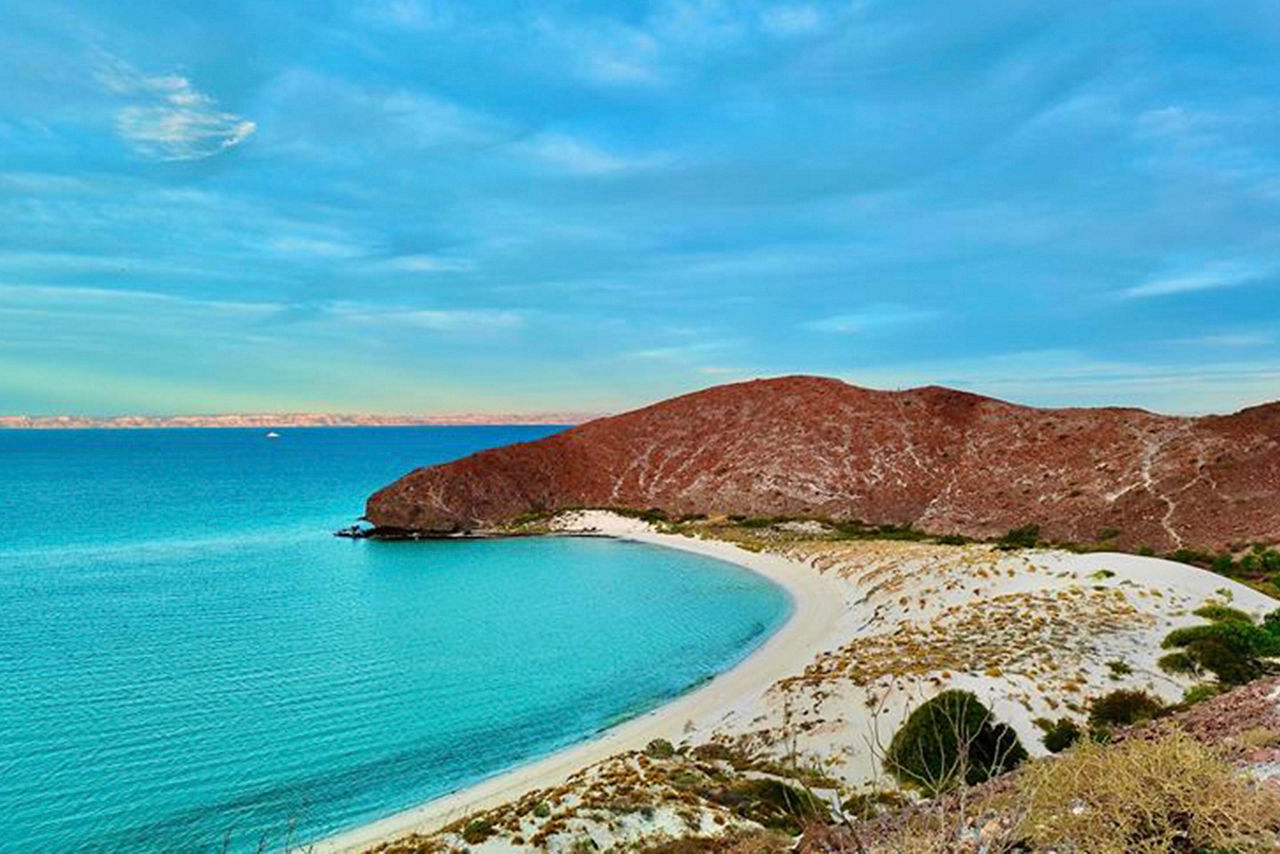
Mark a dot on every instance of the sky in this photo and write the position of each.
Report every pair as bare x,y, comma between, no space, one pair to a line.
430,206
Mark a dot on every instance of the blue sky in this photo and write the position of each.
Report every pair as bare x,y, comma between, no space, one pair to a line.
437,206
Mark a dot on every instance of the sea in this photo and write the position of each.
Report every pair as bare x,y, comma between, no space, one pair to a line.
191,662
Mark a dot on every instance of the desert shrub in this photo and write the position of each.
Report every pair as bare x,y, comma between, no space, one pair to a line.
1178,662
953,738
477,831
1236,651
1192,557
1124,707
1119,669
1060,735
1146,797
954,540
1223,564
659,748
1200,693
1215,612
1271,623
774,804
1025,537
867,805
1146,551
735,842
1108,534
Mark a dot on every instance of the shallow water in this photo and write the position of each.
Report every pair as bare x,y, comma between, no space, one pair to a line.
187,656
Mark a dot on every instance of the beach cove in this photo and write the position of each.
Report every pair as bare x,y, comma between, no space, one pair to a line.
879,626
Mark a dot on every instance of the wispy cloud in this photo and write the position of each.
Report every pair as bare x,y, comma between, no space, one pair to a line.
1230,340
1212,277
170,119
314,246
425,264
791,20
870,319
408,14
465,321
571,154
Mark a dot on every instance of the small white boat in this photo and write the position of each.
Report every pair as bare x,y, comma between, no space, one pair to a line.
273,435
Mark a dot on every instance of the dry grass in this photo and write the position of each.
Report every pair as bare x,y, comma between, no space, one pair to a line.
1147,797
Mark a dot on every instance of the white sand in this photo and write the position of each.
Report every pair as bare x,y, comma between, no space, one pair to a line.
818,608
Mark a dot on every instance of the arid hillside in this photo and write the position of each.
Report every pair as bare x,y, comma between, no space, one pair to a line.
940,460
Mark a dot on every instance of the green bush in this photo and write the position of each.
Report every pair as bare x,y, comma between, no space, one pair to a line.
659,748
1026,537
1061,735
1224,564
1119,669
774,804
1200,693
952,739
1216,613
1179,663
1123,707
477,831
1236,651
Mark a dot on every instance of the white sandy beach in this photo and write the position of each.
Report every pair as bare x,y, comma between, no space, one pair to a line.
818,607
877,627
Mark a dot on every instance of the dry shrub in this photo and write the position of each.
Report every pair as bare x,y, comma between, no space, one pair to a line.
1147,797
738,842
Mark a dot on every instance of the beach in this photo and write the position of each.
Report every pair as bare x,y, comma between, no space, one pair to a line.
877,627
816,614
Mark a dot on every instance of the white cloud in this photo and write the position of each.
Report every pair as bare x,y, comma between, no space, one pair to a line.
1212,277
574,155
1067,377
466,321
426,264
605,52
170,119
869,319
1234,339
317,247
790,20
408,14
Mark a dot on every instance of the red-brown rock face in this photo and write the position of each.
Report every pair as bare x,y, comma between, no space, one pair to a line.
941,460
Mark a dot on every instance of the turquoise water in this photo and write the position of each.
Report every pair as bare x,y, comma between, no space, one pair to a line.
188,658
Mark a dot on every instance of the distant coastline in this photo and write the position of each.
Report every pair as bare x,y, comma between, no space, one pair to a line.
272,420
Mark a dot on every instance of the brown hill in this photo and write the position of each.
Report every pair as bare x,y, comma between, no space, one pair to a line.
943,461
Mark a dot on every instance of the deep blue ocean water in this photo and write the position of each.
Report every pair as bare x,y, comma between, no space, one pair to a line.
188,658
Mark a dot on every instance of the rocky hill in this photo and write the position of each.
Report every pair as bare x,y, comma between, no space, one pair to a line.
940,460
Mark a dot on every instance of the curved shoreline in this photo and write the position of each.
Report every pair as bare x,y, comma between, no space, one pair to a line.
817,606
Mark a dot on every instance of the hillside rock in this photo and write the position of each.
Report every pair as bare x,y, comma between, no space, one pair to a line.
941,460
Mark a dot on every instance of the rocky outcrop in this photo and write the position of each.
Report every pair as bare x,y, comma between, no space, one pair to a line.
941,460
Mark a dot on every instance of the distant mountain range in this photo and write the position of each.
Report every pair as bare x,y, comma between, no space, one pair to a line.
940,460
270,420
